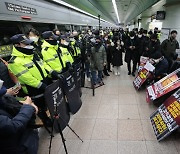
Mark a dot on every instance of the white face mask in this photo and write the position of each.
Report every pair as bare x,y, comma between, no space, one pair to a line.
93,40
72,39
34,38
105,38
112,44
90,33
132,37
139,36
29,47
66,43
1,83
122,43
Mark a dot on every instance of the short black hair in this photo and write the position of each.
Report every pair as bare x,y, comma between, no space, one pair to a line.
174,31
34,31
55,30
145,31
131,33
154,36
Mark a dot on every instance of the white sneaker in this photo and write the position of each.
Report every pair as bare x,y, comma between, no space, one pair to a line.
118,73
89,79
115,73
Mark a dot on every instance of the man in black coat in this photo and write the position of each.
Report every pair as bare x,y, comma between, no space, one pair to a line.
16,138
131,53
145,43
154,46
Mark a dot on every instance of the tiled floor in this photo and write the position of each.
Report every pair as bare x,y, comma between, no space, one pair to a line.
115,121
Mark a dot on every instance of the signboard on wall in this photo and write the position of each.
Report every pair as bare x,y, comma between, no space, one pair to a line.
20,8
166,118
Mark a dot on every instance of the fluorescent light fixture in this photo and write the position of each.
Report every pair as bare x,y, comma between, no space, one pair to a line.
115,9
77,9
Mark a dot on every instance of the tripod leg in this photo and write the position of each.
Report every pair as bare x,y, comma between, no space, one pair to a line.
47,130
62,137
72,129
75,133
51,136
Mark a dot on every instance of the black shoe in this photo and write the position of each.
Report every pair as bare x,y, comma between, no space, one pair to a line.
129,73
133,74
106,74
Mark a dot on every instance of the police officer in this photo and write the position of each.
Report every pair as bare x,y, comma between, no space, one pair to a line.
31,73
50,52
64,48
75,49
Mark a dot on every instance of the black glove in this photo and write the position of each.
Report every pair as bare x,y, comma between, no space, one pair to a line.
43,87
54,75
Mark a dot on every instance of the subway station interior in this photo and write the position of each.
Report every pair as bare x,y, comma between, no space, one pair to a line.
89,77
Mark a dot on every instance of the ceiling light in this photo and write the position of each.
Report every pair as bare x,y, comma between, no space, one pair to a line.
115,9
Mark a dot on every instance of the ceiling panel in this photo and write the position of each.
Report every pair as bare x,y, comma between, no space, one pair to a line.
127,9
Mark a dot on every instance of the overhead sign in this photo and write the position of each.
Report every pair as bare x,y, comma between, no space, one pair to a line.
166,118
163,86
20,8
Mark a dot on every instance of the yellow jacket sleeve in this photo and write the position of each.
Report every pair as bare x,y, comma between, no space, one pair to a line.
24,76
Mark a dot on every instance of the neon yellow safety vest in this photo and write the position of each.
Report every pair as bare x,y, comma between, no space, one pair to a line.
66,54
51,57
76,49
23,67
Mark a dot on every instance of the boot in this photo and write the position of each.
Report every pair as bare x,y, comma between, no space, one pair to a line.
105,71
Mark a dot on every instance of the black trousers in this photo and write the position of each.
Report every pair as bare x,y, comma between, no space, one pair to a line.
108,66
133,70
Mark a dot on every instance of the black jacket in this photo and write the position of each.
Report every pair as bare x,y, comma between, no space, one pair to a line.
4,75
14,133
154,48
117,56
131,54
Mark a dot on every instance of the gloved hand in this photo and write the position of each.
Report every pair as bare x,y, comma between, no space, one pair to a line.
54,75
43,87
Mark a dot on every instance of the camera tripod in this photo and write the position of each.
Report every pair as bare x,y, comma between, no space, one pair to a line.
56,118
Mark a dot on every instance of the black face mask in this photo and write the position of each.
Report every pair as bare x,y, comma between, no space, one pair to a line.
52,42
25,51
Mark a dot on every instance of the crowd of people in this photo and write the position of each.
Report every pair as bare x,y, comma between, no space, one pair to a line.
38,59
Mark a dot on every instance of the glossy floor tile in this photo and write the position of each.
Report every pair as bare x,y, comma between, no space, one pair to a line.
114,121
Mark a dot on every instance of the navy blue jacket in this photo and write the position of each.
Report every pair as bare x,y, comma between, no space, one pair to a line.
13,130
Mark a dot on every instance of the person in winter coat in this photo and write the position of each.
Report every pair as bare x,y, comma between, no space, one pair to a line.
16,137
109,55
97,61
117,60
169,46
145,43
131,53
140,45
154,46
